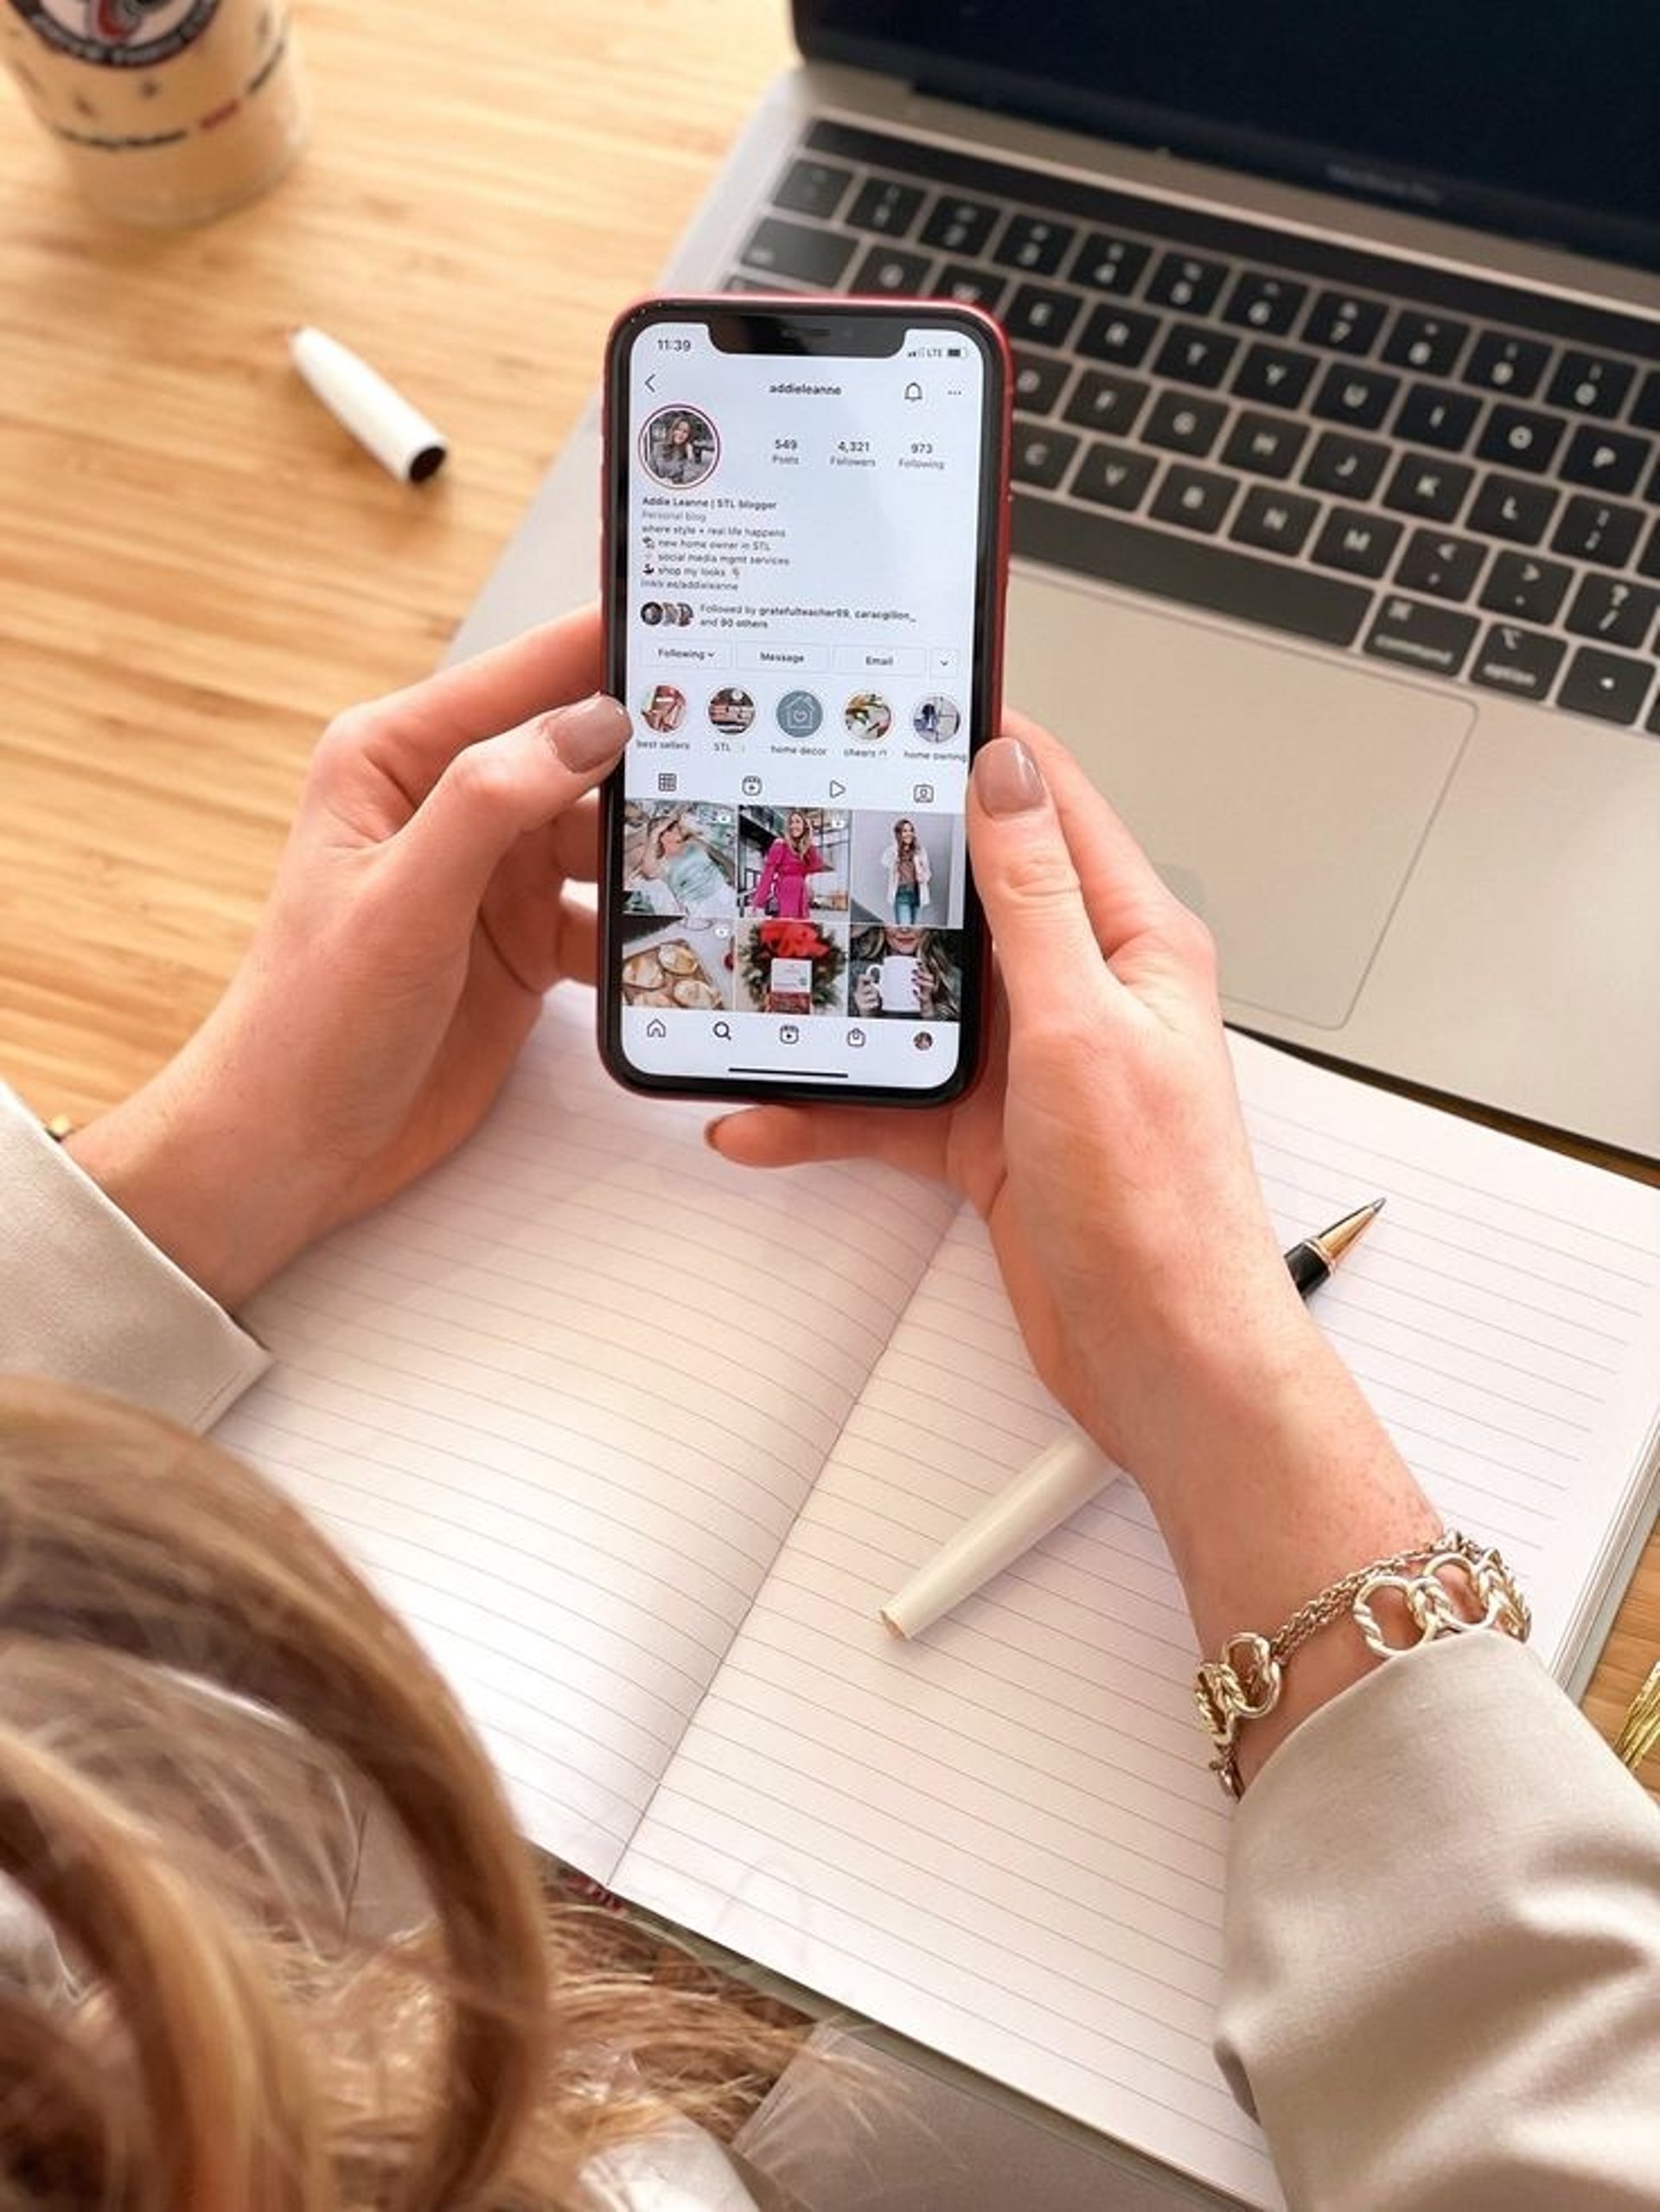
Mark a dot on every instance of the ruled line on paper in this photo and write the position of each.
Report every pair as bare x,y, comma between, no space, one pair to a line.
532,1461
615,1560
370,1529
1190,2099
697,1335
1095,1816
1045,1930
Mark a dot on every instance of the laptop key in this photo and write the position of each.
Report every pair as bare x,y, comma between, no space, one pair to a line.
1277,521
1358,397
959,226
766,287
1193,354
1649,560
1265,445
1521,439
1276,375
1103,400
970,286
1426,486
1197,499
1612,611
1432,638
1646,408
1112,475
1511,507
1117,334
1038,381
1109,264
1429,343
882,204
1192,571
1500,363
1517,660
810,188
1444,566
1606,685
1184,281
1608,461
889,269
1590,384
811,257
1180,422
1353,540
1594,530
1034,243
1344,323
1041,315
1353,466
1038,455
1431,415
1533,589
1259,302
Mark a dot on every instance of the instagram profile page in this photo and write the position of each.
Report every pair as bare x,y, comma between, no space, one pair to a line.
800,575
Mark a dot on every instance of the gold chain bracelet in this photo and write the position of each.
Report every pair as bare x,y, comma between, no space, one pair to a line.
1244,1683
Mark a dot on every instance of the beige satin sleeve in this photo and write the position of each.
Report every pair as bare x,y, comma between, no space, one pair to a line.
86,1297
1442,1972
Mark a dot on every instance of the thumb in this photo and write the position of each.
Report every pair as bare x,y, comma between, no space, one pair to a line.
494,793
1046,945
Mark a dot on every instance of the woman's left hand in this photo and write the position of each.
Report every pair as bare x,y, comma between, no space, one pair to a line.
419,916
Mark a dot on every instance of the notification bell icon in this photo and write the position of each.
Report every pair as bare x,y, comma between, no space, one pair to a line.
913,392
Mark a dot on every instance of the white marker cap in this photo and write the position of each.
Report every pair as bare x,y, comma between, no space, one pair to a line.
378,416
1057,1482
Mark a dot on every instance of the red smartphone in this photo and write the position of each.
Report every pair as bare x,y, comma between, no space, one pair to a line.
805,511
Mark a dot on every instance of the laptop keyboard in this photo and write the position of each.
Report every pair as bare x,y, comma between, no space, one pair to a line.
1450,474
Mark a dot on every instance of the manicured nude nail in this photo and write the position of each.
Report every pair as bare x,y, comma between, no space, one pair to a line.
1007,778
588,735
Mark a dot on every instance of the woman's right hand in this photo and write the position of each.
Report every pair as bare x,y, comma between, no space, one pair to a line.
1104,1144
1106,1148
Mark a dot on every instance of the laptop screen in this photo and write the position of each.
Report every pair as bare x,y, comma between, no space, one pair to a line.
1533,118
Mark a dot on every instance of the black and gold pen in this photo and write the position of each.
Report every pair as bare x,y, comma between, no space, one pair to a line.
1312,1261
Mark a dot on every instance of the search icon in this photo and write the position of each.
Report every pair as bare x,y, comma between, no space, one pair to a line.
724,1029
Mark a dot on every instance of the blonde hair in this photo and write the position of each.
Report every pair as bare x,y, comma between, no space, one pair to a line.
200,1702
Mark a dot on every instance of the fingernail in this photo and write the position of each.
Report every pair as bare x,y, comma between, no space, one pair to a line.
588,735
1008,778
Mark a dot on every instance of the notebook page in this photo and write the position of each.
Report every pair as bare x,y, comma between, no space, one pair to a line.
564,1399
1002,1839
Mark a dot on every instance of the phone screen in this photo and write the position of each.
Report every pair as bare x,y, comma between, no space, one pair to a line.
805,576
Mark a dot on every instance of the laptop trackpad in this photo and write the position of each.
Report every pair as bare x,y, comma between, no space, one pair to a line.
1280,796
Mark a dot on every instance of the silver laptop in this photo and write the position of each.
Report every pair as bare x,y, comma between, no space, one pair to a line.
1337,455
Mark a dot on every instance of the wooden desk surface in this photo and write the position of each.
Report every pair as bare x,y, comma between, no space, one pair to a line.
198,567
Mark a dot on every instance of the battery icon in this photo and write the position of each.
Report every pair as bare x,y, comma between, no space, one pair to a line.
954,352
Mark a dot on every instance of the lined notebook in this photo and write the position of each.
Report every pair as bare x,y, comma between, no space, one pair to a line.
639,1441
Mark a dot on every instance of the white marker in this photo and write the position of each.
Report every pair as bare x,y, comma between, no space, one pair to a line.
399,436
1049,1491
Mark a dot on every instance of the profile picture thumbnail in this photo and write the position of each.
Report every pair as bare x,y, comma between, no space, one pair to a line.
868,717
936,720
664,709
680,447
732,711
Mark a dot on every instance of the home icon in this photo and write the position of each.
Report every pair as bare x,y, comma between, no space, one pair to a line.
656,1027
